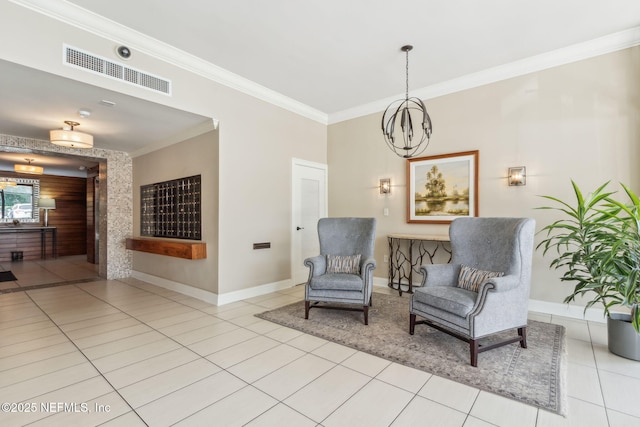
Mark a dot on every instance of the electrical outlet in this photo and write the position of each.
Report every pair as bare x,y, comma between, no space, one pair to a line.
385,258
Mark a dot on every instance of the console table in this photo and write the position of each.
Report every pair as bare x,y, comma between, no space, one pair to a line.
408,252
43,231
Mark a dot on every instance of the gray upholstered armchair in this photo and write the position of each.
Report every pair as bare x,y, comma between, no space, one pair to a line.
343,272
485,288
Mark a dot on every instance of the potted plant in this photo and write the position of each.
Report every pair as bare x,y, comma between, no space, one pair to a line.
597,244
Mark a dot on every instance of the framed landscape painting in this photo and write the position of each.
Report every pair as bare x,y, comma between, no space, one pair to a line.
442,188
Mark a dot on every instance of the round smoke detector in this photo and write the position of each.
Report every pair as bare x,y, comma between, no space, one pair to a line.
123,52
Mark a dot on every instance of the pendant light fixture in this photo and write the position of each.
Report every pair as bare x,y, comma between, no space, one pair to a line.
28,168
70,137
407,111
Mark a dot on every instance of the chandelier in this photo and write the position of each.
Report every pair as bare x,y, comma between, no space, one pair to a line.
407,111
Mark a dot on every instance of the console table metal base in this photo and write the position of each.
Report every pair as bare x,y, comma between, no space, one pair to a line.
408,252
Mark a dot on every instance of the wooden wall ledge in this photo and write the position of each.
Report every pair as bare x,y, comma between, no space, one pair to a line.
186,250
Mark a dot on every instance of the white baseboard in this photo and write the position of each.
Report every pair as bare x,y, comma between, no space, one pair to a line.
201,294
566,310
255,291
212,297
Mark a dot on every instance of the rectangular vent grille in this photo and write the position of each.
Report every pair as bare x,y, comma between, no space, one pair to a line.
86,61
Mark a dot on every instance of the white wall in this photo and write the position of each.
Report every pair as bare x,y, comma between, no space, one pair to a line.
195,156
579,121
257,141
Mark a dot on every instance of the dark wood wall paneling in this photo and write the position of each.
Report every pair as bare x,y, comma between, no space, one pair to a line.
92,180
69,216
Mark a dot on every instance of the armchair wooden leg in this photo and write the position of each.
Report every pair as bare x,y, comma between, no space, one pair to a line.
366,314
412,323
473,347
306,309
523,336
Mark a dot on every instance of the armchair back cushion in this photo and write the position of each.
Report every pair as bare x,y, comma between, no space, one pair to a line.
488,244
347,236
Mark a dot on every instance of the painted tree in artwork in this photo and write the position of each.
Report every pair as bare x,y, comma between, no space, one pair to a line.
435,186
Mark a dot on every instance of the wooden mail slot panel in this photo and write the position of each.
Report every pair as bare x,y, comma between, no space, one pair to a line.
186,250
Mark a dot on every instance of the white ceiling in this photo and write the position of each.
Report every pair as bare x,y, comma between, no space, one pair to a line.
330,55
334,55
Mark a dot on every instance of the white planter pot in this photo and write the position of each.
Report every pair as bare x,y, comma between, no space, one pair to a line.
623,339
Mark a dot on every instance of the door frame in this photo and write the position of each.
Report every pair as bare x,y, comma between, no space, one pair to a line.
295,163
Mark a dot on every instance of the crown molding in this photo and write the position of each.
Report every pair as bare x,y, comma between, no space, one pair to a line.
208,125
600,46
95,24
81,18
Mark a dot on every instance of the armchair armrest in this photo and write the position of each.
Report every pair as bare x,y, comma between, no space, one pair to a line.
317,265
440,274
501,284
491,289
367,266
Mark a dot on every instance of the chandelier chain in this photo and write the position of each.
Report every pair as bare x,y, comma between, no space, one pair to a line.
407,75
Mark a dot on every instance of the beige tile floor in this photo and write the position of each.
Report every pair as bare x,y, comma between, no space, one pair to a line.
127,353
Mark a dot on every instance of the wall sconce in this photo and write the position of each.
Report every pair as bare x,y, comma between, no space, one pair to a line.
517,176
385,186
46,204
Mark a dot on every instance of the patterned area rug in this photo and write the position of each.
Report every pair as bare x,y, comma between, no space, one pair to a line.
535,375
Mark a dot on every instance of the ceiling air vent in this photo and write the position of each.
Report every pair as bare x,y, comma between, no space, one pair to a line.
96,64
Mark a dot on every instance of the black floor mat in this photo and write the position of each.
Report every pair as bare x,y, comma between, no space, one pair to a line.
7,276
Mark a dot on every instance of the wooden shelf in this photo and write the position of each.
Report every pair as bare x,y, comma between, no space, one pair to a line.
186,250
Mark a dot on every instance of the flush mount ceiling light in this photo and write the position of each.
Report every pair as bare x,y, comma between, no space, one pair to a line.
407,111
28,168
71,138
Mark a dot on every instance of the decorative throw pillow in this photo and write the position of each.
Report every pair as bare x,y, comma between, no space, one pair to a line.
471,278
343,264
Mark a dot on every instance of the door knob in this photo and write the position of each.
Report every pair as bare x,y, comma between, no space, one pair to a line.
299,228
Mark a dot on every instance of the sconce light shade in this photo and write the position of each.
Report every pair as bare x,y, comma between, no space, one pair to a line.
71,138
517,176
28,168
385,186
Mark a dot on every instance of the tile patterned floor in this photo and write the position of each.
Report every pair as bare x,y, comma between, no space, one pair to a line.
127,353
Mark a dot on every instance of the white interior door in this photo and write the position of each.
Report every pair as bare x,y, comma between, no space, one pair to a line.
309,196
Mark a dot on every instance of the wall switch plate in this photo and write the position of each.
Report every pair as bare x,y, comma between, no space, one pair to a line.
385,211
385,258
